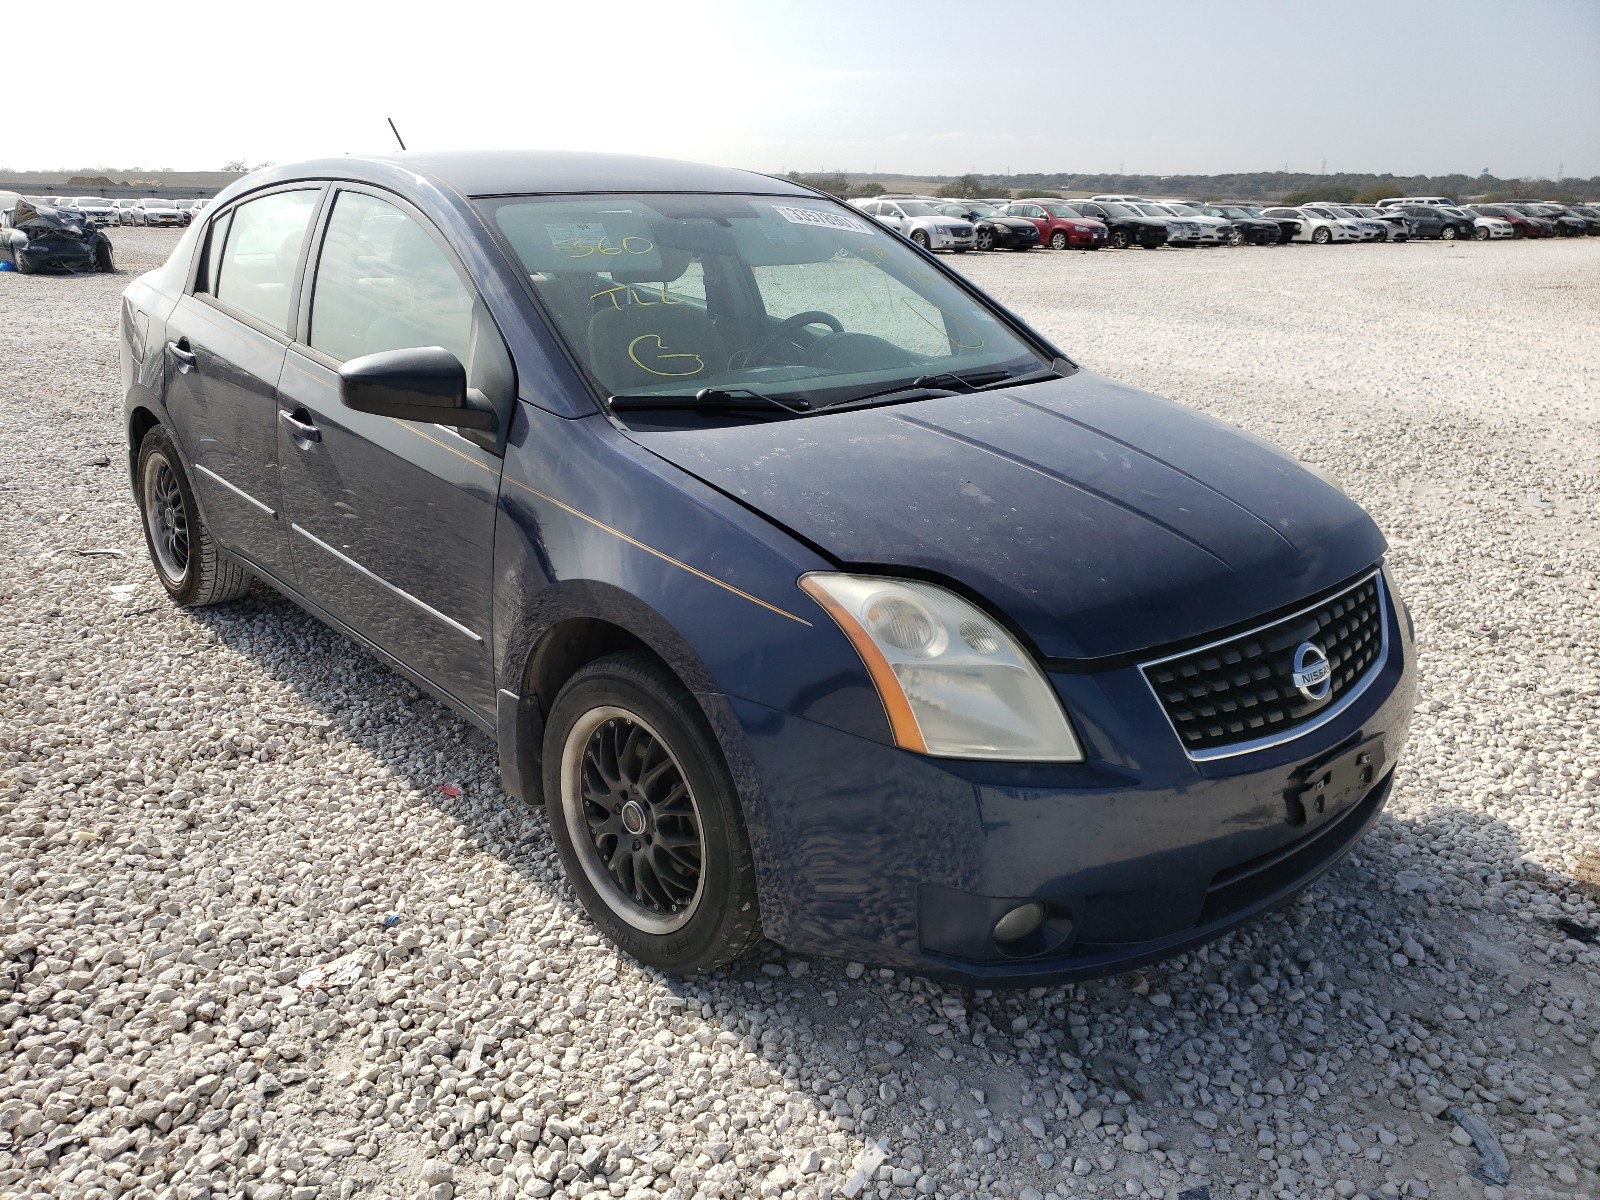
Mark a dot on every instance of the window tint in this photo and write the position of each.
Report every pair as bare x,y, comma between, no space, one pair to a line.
383,283
259,258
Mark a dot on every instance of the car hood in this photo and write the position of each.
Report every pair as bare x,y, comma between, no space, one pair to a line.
1100,519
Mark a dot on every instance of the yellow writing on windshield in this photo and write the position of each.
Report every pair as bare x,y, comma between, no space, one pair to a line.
660,356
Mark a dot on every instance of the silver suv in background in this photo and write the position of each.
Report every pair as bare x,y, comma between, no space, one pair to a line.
922,223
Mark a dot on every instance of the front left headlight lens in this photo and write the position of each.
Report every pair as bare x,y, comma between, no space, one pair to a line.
954,682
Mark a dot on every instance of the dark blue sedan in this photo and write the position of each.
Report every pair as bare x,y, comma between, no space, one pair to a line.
814,594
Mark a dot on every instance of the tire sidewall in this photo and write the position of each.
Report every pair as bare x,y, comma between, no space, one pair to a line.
727,909
159,443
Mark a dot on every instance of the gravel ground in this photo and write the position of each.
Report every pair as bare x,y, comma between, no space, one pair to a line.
196,808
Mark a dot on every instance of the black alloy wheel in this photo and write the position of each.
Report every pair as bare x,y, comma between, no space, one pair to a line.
1119,239
188,564
1058,240
646,818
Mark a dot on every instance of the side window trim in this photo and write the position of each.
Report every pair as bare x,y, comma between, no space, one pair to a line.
203,259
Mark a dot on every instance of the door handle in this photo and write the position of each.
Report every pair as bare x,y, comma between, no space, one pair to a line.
303,430
180,351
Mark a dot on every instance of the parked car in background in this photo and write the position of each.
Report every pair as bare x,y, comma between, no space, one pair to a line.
1181,231
813,594
1249,227
1484,228
1288,227
98,210
1438,221
1590,214
1522,225
1209,230
1322,231
922,223
56,240
1060,225
1124,226
1365,230
992,229
132,214
156,211
1397,228
1566,224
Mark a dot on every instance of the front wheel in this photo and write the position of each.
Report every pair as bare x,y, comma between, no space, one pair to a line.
984,240
1448,233
646,819
1322,236
1236,238
186,558
1058,240
1119,239
919,238
1482,235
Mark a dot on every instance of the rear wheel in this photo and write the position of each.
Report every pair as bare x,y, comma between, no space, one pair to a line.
1058,240
646,819
1322,235
187,560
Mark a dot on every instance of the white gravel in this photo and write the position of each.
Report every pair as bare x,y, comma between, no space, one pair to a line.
196,808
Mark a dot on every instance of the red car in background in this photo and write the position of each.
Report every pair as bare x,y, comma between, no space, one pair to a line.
1060,225
1522,225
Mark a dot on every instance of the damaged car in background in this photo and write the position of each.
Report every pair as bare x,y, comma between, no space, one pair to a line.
40,238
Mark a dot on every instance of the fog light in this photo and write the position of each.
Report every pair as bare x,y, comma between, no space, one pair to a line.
1019,922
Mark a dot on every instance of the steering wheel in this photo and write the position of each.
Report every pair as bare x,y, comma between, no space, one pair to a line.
786,330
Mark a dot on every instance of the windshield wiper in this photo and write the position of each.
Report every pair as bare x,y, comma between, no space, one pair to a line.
711,398
927,386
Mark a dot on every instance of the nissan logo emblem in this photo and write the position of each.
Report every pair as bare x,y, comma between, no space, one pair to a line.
1312,675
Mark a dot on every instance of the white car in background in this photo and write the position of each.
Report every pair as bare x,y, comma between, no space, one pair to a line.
1483,228
98,210
1365,230
1398,226
157,211
1321,230
922,223
1214,231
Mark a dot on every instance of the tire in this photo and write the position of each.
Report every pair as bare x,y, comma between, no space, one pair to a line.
19,263
1119,239
622,727
102,257
983,241
1517,232
1481,235
919,238
1322,235
1058,240
187,561
1448,233
1236,238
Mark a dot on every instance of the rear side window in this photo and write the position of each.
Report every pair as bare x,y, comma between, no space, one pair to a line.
383,283
256,272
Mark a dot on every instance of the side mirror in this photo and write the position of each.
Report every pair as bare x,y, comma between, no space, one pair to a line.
424,384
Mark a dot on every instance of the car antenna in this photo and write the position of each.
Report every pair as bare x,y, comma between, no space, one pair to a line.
396,132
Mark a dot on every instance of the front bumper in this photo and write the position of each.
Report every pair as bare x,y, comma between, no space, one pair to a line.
873,853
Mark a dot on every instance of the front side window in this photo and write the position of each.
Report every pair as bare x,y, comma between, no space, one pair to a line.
665,295
256,273
383,283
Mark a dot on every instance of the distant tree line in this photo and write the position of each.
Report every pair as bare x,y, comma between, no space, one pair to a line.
1280,186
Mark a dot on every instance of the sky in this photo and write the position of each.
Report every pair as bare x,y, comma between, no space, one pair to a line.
909,86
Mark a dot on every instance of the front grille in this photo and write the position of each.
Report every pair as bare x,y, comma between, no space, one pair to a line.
1225,696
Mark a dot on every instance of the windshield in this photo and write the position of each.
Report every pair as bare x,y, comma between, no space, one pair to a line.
1454,212
664,295
1119,210
984,210
913,209
1179,206
1150,210
1062,210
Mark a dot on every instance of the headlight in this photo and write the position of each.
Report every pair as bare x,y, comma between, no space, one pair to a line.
953,682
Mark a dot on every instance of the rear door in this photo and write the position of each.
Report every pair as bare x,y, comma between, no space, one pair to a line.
392,522
226,341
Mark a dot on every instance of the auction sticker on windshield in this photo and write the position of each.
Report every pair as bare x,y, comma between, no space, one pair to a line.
826,220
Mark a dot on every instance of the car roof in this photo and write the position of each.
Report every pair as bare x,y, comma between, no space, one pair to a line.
513,172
